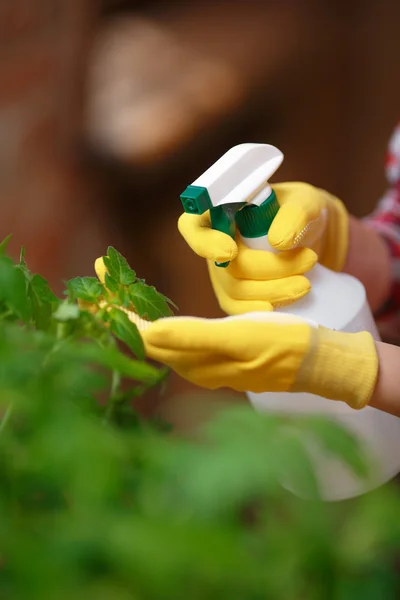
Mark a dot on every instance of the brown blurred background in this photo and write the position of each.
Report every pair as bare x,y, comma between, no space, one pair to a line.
108,109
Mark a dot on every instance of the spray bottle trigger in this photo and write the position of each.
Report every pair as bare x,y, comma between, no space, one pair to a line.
223,218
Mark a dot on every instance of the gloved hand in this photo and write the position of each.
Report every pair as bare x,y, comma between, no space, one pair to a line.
100,269
276,355
313,218
310,224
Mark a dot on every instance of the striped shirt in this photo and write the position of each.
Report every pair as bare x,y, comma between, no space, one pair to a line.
386,221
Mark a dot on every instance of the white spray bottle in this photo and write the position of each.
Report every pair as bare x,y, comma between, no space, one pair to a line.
237,192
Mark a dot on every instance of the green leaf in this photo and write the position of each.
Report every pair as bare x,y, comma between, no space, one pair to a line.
88,289
148,302
169,301
124,298
118,267
127,332
111,284
42,300
22,264
4,244
13,288
114,360
42,289
67,312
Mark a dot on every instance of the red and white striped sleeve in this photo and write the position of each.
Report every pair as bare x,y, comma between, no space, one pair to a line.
386,221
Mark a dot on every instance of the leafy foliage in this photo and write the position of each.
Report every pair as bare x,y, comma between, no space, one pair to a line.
90,312
118,268
88,289
96,503
148,302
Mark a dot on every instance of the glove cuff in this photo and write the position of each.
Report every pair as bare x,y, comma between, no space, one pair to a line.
340,366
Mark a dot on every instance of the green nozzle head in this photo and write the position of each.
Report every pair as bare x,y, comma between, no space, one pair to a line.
229,184
196,200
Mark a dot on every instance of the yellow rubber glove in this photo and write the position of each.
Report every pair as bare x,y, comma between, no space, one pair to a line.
100,269
313,218
310,224
254,280
268,356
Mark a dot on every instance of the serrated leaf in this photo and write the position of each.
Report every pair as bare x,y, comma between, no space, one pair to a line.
127,332
88,289
67,312
111,284
118,267
4,244
148,302
13,288
169,301
22,264
124,298
42,289
42,299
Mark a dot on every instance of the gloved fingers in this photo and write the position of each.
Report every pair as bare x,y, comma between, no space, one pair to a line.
178,360
233,375
202,369
191,336
232,306
240,307
219,373
229,374
261,265
237,296
301,218
100,269
237,339
276,292
205,241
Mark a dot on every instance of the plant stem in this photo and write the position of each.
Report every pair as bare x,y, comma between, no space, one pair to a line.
6,417
115,382
60,331
112,401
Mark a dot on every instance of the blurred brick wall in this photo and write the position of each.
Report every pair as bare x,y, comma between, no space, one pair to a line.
43,45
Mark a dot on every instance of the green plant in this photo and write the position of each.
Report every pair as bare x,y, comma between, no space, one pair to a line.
88,313
96,503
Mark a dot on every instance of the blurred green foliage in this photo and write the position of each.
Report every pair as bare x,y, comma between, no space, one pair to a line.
96,503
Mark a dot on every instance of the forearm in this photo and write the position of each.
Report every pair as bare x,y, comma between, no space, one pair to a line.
368,259
386,396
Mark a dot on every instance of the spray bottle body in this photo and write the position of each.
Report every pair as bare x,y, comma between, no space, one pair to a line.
338,301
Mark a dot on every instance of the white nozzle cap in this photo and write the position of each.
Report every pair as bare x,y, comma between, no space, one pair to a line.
240,173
